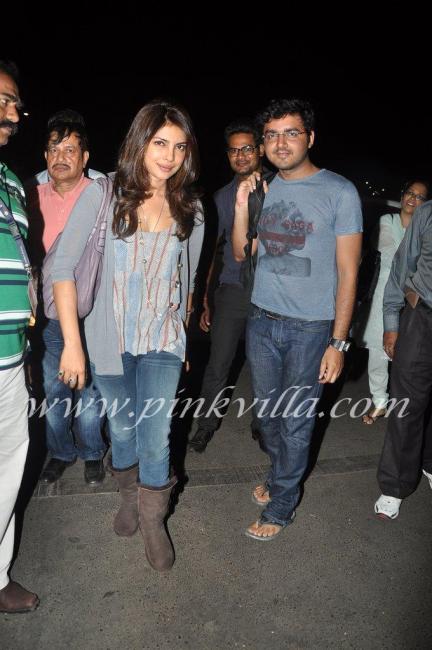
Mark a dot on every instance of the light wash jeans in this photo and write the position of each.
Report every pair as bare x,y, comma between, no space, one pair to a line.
140,422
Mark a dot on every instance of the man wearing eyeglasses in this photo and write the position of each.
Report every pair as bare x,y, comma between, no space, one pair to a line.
14,316
308,250
231,300
407,308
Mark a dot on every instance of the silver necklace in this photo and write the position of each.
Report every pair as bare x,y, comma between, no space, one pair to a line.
144,261
141,237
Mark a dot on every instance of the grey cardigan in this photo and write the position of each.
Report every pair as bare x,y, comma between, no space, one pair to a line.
411,267
99,326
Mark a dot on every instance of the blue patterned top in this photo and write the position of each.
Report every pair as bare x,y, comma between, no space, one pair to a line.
147,293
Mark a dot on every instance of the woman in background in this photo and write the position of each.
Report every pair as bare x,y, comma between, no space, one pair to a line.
391,229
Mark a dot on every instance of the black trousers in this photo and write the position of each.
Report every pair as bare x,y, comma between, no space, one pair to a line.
231,309
408,440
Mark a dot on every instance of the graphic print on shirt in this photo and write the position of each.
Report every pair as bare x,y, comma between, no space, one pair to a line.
283,229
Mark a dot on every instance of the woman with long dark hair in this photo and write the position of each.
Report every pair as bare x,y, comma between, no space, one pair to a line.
136,331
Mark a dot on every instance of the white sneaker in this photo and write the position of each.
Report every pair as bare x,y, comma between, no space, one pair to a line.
428,476
387,507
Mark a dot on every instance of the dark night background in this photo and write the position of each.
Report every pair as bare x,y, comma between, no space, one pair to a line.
370,96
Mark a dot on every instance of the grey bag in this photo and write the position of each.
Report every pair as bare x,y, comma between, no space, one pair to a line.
89,268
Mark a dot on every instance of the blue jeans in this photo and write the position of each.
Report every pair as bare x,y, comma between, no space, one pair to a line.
59,424
285,355
140,422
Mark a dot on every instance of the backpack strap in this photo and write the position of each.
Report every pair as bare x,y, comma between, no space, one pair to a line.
13,227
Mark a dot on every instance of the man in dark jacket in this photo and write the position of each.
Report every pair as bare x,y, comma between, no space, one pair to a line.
231,300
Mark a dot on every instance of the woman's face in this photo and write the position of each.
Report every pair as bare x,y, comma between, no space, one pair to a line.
165,153
414,196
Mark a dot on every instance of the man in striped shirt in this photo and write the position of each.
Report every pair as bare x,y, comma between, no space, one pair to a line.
14,315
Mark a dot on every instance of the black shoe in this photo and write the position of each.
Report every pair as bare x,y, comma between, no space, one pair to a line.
54,470
94,471
200,440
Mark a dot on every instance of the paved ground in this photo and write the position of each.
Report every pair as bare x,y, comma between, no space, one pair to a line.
336,578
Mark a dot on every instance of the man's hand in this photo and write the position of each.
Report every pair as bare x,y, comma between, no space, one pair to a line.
389,342
246,187
331,365
205,320
72,368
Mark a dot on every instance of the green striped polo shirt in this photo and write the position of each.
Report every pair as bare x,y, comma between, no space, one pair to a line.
14,302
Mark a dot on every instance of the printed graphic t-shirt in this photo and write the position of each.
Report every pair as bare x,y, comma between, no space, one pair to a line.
296,271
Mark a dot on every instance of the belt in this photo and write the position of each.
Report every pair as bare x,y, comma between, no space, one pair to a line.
273,315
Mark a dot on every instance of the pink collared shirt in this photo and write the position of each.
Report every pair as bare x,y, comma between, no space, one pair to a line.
55,209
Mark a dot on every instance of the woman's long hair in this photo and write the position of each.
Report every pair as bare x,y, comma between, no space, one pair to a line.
132,182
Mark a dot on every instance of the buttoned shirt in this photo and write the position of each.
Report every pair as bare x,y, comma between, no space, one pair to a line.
55,208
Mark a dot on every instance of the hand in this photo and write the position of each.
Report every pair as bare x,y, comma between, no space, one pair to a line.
331,365
205,320
72,368
246,187
28,371
389,342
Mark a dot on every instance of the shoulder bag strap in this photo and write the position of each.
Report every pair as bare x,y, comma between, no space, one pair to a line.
13,227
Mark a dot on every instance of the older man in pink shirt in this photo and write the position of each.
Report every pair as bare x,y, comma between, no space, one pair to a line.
50,204
56,200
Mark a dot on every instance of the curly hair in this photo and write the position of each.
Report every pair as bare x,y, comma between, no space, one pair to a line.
278,108
132,181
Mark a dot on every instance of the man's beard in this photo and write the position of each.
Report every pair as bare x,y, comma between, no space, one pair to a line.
9,125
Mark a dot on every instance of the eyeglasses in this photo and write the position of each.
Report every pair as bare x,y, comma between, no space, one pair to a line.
247,150
289,134
413,195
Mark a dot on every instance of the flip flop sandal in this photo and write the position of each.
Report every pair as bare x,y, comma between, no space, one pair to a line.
373,415
261,521
256,500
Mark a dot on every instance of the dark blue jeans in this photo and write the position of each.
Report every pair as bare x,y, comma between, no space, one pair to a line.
285,357
140,423
60,423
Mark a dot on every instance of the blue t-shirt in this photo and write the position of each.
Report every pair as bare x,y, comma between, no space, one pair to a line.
296,271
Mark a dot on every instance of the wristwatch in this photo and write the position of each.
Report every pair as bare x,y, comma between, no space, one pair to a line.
340,345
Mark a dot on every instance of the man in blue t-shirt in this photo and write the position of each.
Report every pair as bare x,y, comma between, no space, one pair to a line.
308,251
231,300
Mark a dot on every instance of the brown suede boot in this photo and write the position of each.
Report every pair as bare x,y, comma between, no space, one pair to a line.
126,520
153,507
